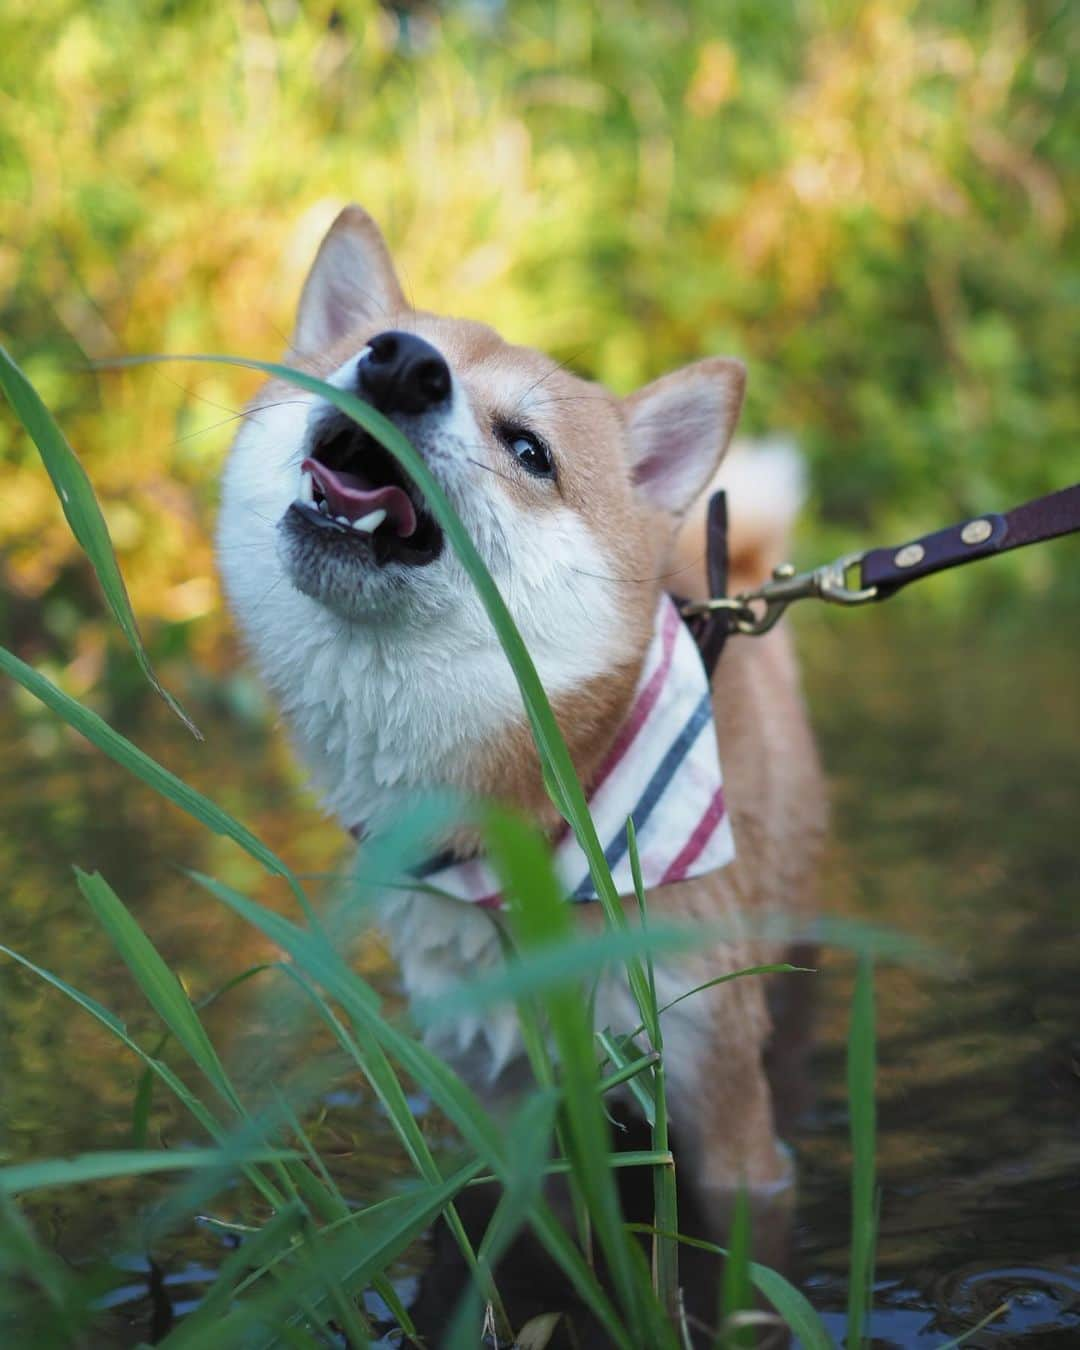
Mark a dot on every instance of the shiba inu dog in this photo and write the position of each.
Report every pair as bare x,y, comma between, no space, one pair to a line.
585,508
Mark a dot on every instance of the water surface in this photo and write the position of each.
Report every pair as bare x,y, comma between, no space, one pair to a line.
952,748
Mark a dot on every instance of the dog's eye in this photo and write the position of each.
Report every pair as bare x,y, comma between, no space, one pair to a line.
528,449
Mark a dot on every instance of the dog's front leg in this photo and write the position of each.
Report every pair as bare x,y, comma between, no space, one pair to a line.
722,1123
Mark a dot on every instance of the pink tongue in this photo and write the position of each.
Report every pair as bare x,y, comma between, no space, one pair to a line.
346,495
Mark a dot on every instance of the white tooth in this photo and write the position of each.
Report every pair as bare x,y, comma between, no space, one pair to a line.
324,508
307,489
370,523
342,520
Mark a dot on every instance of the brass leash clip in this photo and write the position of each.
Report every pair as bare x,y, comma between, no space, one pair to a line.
755,612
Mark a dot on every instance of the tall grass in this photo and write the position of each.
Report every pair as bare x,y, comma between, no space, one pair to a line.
308,1251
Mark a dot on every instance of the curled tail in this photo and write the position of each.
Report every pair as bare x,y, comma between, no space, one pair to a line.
765,481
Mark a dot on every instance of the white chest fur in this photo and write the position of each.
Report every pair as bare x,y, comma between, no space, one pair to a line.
440,944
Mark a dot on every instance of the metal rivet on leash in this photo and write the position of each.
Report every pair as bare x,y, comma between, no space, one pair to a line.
976,531
910,555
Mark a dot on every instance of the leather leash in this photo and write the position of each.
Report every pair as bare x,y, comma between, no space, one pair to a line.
869,575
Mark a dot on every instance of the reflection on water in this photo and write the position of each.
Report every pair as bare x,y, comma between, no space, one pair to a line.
954,754
953,751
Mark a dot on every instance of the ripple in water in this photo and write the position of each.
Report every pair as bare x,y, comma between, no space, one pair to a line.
1043,1301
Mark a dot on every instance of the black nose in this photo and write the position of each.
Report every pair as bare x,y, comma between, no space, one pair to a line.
402,373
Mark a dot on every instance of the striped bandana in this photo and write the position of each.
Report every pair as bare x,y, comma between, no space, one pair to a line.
663,771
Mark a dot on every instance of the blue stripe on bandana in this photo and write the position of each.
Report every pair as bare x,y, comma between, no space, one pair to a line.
678,751
436,863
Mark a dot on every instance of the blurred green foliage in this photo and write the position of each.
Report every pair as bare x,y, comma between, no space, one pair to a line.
867,201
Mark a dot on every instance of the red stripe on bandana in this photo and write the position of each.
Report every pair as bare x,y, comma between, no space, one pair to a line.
645,701
696,843
642,707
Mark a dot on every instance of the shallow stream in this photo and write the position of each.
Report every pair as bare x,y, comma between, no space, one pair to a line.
953,748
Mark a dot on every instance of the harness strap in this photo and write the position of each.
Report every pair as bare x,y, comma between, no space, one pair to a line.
710,629
1044,518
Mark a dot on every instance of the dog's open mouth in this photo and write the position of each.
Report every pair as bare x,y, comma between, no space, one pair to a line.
355,490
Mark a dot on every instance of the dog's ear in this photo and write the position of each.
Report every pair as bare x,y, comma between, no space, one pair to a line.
351,281
679,427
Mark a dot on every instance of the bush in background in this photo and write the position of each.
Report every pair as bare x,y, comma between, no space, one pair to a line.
866,201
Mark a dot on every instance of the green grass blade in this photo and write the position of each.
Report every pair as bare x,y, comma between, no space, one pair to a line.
234,982
313,1183
317,960
320,962
529,1139
631,1158
267,1243
792,1304
556,966
180,1090
1000,1311
774,968
379,1073
629,1070
347,1258
861,1074
162,989
541,921
298,1340
618,1049
39,1294
147,770
735,1290
538,1051
83,514
530,1023
144,1092
650,1013
384,1287
144,1099
665,1255
380,1210
335,1311
257,1134
109,1165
